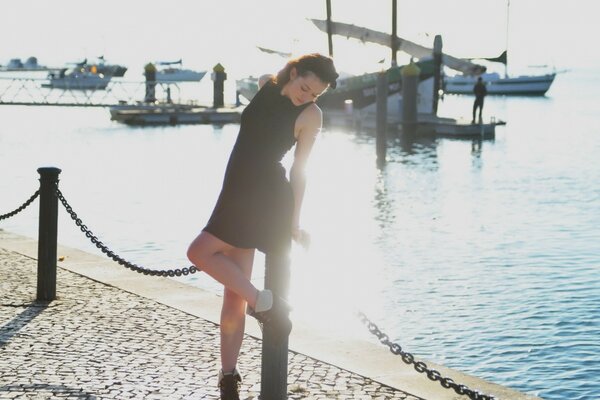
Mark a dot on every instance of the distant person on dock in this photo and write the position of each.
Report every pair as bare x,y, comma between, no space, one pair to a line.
258,208
480,91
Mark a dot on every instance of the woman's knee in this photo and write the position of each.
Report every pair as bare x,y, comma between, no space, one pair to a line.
199,250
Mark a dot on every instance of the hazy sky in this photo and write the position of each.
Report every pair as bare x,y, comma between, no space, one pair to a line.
203,33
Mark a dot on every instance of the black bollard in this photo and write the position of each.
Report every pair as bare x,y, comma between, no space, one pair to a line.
47,236
437,71
410,83
273,384
381,120
150,74
218,76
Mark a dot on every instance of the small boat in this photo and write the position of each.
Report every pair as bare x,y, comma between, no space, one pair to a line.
531,85
76,79
31,64
167,73
102,67
247,87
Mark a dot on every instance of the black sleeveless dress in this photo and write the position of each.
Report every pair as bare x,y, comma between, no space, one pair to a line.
256,204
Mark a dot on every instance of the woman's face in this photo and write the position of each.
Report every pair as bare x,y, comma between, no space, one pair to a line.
304,89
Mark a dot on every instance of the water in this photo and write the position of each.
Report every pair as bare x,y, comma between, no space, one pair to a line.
484,259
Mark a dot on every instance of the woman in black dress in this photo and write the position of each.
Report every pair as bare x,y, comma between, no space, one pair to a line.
258,208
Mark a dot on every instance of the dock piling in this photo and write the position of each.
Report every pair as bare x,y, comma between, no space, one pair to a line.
275,348
47,237
381,121
410,83
218,76
437,71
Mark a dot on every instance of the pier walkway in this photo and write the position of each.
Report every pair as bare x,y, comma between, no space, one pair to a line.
113,334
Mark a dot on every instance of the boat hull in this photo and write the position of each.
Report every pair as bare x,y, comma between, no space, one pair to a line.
521,85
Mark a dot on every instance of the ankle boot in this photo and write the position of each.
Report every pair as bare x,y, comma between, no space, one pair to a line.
229,385
276,318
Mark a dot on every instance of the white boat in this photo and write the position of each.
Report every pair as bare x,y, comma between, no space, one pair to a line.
247,87
532,85
166,72
76,79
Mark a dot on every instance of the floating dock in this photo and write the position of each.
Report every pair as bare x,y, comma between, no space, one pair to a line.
427,125
173,114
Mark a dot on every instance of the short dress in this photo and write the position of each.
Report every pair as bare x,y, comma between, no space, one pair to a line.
256,204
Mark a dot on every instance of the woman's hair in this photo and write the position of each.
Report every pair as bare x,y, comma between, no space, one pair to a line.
320,65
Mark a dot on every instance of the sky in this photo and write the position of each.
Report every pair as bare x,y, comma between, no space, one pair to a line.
556,33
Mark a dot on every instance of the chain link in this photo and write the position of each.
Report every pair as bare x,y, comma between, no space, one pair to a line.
24,206
112,255
420,366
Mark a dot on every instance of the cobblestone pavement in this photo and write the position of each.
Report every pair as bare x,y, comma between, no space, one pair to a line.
99,342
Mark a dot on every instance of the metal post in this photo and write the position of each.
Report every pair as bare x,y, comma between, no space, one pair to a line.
275,348
381,120
46,273
437,71
329,33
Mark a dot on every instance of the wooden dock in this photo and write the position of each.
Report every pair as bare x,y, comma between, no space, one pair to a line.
173,114
428,125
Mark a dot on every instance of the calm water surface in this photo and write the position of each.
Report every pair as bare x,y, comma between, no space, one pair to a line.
483,258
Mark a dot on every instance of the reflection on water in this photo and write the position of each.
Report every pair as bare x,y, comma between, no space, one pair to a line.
480,255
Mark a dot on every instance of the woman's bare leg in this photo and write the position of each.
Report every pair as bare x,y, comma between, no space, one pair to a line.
208,253
233,313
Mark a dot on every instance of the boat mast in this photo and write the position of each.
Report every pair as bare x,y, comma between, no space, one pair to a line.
329,40
394,43
506,46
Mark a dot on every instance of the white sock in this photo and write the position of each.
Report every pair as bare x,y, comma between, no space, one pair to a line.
264,301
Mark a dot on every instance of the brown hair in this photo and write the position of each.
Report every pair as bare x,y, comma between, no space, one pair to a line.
320,65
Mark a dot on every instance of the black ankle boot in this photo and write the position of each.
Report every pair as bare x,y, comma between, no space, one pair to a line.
276,318
229,385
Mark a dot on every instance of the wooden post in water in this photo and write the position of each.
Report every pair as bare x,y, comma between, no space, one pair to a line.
47,236
410,84
437,71
150,74
273,385
218,76
381,119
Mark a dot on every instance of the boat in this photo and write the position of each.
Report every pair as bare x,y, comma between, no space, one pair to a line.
358,90
102,67
166,72
363,34
16,65
76,79
247,87
528,85
361,91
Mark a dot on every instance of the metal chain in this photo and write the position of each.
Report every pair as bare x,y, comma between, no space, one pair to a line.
24,206
110,254
420,366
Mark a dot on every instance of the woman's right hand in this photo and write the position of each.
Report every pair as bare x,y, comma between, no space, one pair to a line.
301,237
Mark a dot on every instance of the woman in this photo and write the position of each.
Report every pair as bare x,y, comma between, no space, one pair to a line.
258,208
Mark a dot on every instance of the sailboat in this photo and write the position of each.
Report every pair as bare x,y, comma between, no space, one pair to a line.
528,85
